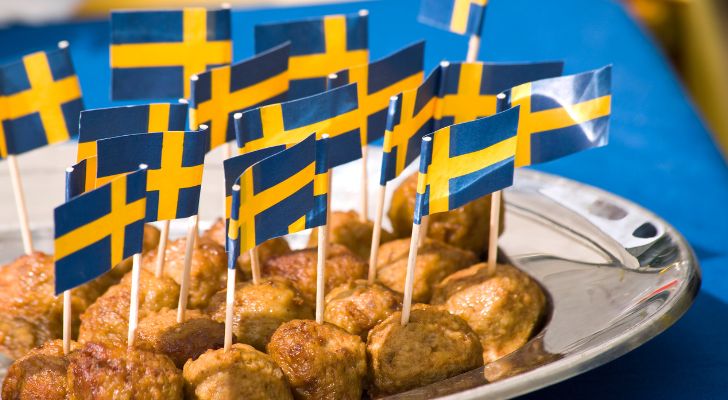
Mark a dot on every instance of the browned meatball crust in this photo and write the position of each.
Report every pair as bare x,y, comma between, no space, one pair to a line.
433,346
320,361
502,308
38,375
466,227
299,268
268,249
435,261
101,371
107,320
240,373
160,333
260,309
358,306
208,273
347,229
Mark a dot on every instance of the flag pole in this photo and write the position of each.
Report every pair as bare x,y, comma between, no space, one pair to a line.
67,293
229,305
134,301
409,277
473,48
20,205
494,227
322,251
162,249
255,265
376,234
185,285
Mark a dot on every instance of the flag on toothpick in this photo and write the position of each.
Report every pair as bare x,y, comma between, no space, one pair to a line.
464,17
561,116
274,198
235,166
319,47
40,99
153,54
105,123
175,160
221,92
97,230
463,162
378,81
81,178
334,112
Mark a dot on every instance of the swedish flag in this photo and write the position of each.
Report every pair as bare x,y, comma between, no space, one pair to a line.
221,92
40,99
175,161
378,81
105,123
335,112
81,178
463,162
235,166
319,47
154,53
561,116
465,17
274,197
97,230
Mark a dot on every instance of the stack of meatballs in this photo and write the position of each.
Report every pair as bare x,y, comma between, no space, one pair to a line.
466,316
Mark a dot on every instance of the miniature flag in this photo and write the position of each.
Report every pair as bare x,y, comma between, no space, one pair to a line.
274,198
561,116
319,47
470,89
317,216
235,166
175,161
105,123
40,98
464,17
81,178
463,162
379,81
99,229
221,92
153,54
335,112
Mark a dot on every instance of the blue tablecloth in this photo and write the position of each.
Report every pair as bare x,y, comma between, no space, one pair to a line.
661,154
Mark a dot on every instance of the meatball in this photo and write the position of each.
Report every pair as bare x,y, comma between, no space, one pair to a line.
208,272
268,249
503,308
260,309
435,261
433,346
347,229
239,373
159,332
30,312
320,361
40,374
357,306
299,268
102,371
107,320
466,227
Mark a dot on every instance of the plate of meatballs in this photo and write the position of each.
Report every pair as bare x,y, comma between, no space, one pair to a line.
583,277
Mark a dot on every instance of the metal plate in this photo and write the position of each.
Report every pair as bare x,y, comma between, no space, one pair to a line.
617,275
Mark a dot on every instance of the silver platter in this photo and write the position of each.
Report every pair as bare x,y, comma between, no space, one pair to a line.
616,274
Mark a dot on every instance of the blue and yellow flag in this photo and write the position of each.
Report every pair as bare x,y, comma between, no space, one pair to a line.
319,47
81,178
99,229
153,54
561,116
463,162
175,161
40,99
235,166
464,17
335,112
221,92
105,123
379,81
273,197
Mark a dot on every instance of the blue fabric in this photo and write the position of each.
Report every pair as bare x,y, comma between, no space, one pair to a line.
660,154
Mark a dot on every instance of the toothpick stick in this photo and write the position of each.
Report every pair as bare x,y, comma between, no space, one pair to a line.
376,234
473,48
495,204
410,276
423,229
184,287
162,249
134,301
66,321
364,212
323,240
20,204
229,305
255,265
227,150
